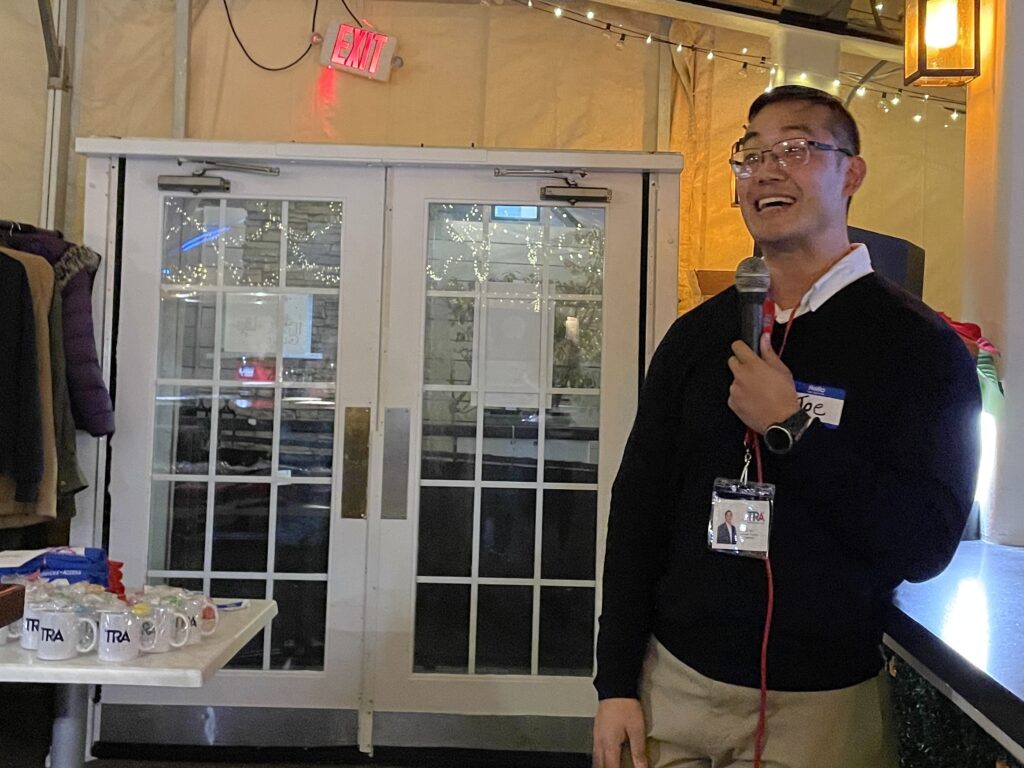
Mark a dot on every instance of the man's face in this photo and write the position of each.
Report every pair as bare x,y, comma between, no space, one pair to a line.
728,516
789,207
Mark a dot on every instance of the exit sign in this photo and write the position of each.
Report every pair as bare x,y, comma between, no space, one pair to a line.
358,50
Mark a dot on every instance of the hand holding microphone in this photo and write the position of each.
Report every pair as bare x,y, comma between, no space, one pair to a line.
762,392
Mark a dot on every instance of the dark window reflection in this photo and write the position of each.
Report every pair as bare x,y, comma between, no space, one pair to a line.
298,632
442,628
566,631
507,532
241,519
181,442
245,431
504,629
303,528
449,436
571,447
251,654
445,532
178,526
307,433
510,444
570,533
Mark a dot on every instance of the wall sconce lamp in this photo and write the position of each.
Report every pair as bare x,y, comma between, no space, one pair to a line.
942,42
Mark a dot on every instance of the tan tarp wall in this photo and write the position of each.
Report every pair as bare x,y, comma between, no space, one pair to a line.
913,190
22,110
494,75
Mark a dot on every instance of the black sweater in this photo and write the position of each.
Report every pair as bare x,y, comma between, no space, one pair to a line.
858,509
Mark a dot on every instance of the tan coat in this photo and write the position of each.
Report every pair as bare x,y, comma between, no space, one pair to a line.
19,514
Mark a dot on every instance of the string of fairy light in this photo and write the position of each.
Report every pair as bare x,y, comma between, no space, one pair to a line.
892,96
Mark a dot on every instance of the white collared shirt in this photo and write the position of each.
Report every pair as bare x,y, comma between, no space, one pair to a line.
853,266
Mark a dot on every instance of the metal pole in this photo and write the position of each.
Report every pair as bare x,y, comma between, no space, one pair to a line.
67,749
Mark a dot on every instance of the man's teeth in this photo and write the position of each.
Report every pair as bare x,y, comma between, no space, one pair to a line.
765,202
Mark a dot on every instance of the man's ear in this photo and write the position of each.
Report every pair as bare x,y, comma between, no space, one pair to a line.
856,170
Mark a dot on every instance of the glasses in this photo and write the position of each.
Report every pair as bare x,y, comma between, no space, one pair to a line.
788,153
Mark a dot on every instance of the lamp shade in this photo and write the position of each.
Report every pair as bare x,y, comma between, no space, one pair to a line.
942,42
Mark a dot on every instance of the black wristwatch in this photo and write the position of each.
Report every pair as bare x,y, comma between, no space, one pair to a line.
780,438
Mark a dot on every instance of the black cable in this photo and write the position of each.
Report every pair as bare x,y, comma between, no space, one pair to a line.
354,17
316,6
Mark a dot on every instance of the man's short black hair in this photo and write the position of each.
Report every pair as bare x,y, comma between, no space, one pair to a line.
841,122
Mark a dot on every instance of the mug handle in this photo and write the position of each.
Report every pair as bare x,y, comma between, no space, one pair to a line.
93,635
14,629
208,606
180,630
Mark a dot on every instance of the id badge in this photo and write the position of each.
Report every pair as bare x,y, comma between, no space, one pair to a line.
741,515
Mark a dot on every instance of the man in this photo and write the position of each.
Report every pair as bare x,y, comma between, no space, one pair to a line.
874,492
726,533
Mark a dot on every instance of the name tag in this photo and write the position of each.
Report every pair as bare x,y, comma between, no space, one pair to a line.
824,403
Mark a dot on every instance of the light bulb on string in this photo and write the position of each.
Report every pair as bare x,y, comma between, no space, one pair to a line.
836,83
621,43
607,31
918,118
862,91
745,51
743,70
711,55
955,115
883,103
590,15
557,12
649,40
679,48
895,100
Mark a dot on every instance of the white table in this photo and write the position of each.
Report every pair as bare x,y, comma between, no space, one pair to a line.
188,667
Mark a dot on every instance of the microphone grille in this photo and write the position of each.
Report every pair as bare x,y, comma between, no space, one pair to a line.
752,276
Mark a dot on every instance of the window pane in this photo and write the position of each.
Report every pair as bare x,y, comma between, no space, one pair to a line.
177,529
241,518
576,344
571,439
510,444
181,440
566,631
448,342
445,532
298,632
449,436
569,536
307,433
576,252
252,243
251,337
303,528
191,230
504,622
442,628
514,252
251,654
245,431
186,340
507,519
456,249
513,346
314,243
310,337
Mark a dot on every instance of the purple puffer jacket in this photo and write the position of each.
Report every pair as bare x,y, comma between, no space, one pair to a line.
74,268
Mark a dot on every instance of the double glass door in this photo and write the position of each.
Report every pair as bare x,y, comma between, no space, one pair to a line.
392,400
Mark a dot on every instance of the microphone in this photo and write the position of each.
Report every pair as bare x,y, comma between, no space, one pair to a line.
752,283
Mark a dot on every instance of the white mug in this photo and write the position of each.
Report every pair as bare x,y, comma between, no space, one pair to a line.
169,629
27,629
63,634
201,614
121,635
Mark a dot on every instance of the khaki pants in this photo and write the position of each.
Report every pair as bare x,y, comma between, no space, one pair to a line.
693,721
